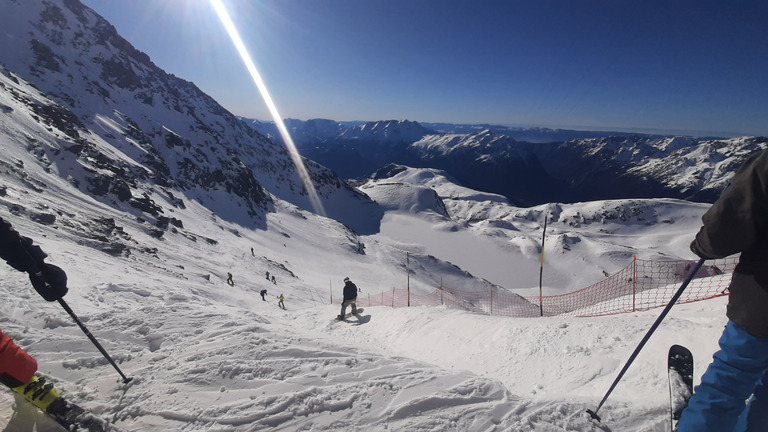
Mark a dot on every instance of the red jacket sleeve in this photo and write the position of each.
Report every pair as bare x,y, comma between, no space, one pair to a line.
16,366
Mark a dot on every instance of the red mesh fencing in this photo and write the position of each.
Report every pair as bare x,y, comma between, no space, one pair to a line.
640,286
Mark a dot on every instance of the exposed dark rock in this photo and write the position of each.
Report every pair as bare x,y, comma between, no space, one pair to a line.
145,204
59,117
44,56
43,218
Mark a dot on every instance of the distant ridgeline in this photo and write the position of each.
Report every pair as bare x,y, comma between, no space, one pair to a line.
529,166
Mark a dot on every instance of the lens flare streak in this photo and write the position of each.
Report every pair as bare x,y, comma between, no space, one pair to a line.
234,35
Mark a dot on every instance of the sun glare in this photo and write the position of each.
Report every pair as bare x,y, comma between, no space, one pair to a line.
229,25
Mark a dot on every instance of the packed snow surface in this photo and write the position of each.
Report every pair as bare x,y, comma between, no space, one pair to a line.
207,356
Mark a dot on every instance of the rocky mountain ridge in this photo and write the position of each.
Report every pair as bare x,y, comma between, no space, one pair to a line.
136,132
592,167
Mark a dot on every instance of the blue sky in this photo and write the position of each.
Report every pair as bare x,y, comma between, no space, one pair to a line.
687,66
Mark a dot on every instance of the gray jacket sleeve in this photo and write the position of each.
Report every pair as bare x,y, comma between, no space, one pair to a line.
737,221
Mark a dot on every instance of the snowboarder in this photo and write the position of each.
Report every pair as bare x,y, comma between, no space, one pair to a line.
737,222
229,279
263,294
350,297
280,301
17,368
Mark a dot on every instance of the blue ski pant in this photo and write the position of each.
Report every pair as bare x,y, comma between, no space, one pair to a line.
738,371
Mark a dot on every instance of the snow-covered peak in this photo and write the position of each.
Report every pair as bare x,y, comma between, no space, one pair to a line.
438,180
482,145
390,131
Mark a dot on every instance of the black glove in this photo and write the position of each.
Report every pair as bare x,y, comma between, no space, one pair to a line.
700,254
22,254
50,282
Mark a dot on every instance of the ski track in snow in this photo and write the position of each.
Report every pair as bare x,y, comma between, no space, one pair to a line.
219,367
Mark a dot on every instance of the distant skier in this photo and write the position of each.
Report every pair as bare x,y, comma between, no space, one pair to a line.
274,281
17,368
267,275
229,279
280,301
350,297
252,252
263,294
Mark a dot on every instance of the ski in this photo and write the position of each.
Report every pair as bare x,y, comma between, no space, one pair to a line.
73,417
68,415
680,370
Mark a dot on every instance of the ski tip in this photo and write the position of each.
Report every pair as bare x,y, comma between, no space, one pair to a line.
593,415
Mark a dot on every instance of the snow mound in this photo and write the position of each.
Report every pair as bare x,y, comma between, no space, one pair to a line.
406,197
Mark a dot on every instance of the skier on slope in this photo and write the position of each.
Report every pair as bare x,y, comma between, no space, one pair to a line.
350,297
737,222
17,368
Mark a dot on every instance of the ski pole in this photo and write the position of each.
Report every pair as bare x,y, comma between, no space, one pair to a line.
647,336
66,307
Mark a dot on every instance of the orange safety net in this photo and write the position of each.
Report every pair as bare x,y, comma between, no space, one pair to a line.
640,286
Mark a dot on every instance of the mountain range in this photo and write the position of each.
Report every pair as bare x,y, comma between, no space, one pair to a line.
530,166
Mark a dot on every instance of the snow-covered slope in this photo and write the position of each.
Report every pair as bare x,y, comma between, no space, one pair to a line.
136,129
208,356
585,242
147,194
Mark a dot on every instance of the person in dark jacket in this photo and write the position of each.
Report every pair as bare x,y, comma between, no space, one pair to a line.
350,297
17,367
737,223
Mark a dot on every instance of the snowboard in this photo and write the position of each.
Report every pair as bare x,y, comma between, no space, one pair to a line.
680,370
349,314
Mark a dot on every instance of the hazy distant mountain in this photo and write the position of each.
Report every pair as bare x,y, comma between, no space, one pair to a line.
530,134
333,129
531,166
350,149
